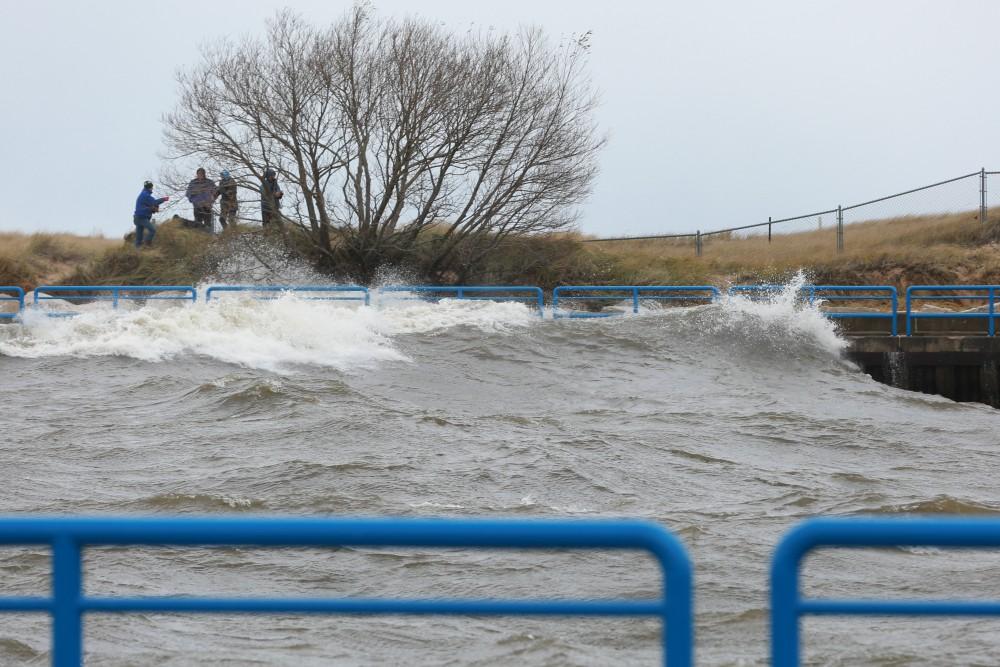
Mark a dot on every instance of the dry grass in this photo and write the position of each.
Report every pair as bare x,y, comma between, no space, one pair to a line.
899,251
27,260
943,249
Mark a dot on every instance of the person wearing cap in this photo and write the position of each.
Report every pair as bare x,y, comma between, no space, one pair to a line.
270,199
201,192
228,205
145,206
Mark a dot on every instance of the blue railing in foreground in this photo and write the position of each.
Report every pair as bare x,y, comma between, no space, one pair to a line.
531,296
113,293
787,605
952,293
10,294
837,293
270,292
68,537
634,293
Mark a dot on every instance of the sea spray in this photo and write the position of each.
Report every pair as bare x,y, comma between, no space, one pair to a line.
773,322
273,335
260,259
782,320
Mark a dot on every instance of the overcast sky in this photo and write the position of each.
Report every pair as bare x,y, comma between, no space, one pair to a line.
719,113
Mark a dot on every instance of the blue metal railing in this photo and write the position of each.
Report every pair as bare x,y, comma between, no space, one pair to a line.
531,296
353,292
112,293
952,293
68,537
634,293
787,604
534,296
14,294
837,293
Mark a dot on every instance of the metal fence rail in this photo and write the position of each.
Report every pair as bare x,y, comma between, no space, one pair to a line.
787,604
979,204
837,294
634,293
113,293
11,294
531,296
952,293
562,296
68,537
271,292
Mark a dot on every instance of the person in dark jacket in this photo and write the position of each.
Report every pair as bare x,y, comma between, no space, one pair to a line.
145,206
228,205
201,192
270,199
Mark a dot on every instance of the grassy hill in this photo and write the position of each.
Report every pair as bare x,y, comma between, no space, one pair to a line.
27,260
935,249
939,249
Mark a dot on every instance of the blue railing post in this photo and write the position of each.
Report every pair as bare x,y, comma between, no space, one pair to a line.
67,620
785,611
114,299
15,294
909,306
635,300
895,315
678,598
990,295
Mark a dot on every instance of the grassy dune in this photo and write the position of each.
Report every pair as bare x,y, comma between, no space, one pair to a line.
953,248
27,260
939,249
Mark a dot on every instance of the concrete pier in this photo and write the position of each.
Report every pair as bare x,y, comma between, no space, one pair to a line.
952,358
962,368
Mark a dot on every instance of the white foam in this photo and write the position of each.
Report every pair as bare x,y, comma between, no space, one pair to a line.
273,335
783,315
423,317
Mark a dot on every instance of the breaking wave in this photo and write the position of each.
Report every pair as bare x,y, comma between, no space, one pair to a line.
282,334
271,335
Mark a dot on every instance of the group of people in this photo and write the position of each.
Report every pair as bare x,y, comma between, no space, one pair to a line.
202,193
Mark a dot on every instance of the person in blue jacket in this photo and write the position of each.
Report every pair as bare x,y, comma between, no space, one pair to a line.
145,206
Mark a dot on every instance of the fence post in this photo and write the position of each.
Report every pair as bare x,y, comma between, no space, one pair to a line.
840,228
991,294
982,195
67,622
768,229
697,243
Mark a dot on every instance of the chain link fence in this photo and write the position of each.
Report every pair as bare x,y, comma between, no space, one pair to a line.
970,197
993,195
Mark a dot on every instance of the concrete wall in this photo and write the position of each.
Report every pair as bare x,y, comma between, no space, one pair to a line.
962,368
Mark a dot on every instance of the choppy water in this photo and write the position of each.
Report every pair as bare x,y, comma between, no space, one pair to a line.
726,423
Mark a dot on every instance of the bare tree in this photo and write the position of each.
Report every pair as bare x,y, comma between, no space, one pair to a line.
398,140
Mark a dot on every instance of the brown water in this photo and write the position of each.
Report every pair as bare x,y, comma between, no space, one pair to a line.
726,424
